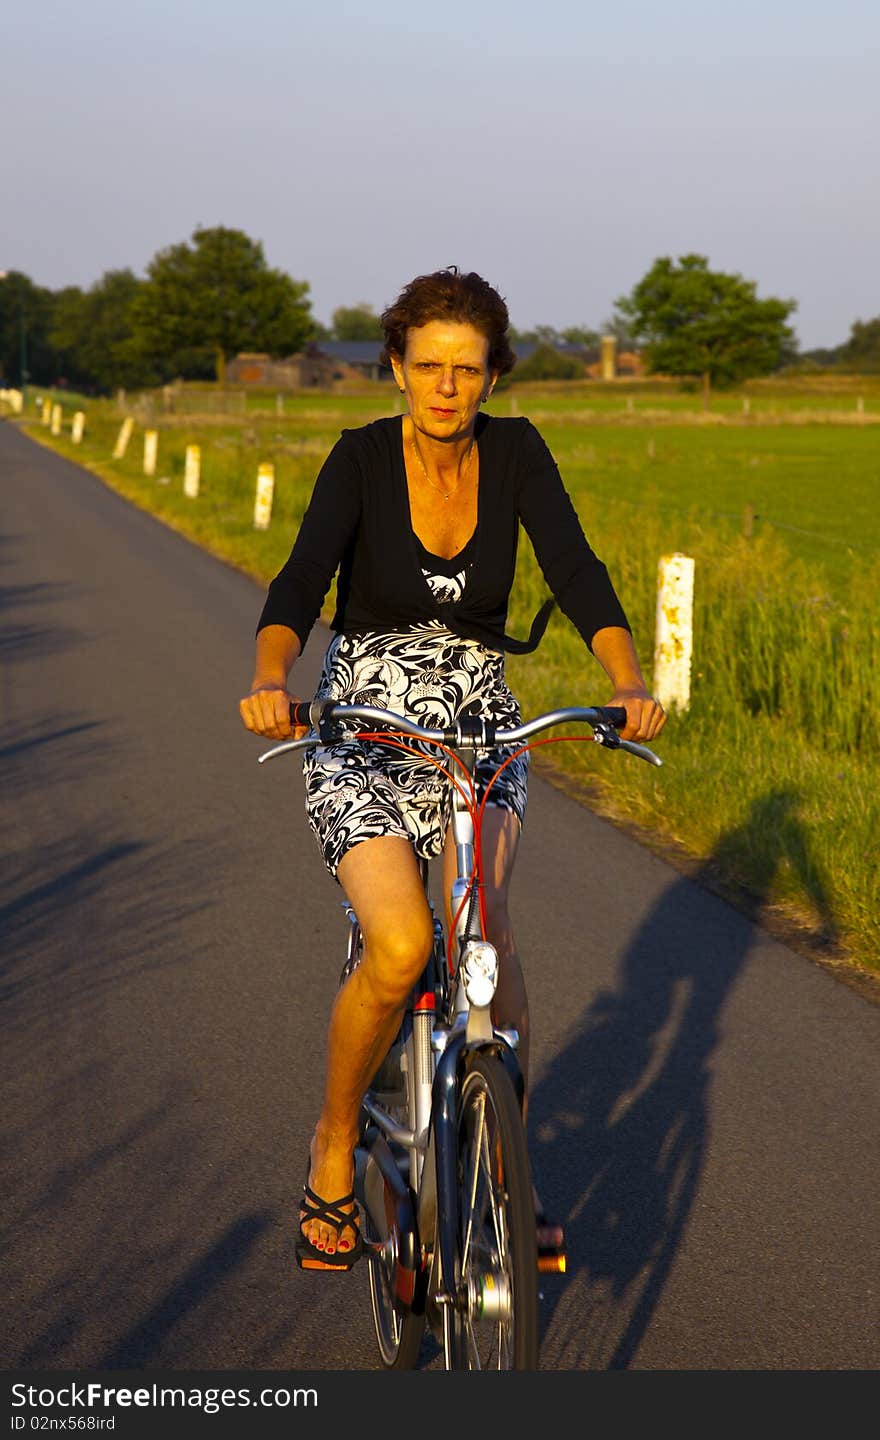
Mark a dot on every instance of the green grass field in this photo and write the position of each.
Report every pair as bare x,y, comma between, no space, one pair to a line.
770,779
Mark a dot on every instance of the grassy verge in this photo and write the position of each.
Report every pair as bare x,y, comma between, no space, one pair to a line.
769,782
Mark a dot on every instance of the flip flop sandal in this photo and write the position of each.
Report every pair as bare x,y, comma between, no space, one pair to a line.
331,1212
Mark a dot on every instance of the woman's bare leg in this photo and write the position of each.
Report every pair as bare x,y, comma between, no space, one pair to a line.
382,882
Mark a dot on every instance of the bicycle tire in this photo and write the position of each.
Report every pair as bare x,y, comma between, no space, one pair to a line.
399,1330
496,1319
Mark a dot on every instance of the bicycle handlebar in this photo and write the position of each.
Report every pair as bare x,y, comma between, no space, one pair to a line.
468,731
311,712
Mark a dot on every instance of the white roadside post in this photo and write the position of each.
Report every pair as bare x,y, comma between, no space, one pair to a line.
673,643
192,471
47,411
608,357
123,438
77,427
151,448
265,492
57,418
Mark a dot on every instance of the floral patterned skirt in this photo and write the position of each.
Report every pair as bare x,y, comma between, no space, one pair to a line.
356,789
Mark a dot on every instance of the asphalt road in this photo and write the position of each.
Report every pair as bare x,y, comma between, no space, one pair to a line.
704,1109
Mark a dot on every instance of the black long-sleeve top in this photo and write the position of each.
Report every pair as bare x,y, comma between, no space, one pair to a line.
358,521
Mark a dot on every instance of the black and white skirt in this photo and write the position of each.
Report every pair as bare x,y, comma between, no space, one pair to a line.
357,790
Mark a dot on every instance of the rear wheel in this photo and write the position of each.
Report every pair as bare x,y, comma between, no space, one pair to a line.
398,1329
496,1310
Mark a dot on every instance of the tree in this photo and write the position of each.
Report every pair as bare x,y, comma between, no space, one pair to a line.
539,335
357,322
582,336
547,363
694,321
91,330
862,350
214,298
25,317
622,332
547,337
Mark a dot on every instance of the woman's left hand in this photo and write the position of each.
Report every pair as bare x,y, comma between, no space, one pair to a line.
645,716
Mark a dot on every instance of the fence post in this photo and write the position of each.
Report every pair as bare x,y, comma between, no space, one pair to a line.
265,493
151,446
192,471
77,427
673,644
57,418
123,438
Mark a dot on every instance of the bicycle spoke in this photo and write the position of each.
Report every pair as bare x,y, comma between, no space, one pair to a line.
472,1198
493,1203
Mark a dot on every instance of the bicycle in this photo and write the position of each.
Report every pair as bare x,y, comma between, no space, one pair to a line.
442,1173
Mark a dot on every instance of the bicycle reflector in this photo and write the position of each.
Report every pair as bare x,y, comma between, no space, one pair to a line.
479,964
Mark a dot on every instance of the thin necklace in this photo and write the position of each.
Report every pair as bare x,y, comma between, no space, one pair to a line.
445,493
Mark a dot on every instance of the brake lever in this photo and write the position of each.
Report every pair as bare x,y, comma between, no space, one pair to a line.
605,734
641,750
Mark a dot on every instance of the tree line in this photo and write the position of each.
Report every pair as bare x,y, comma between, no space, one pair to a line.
203,301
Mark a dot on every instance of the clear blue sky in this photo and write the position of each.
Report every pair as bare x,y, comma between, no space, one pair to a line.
557,147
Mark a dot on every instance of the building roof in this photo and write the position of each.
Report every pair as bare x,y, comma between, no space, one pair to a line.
352,352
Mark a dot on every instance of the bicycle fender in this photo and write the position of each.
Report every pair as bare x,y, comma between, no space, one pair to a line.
505,1054
445,1126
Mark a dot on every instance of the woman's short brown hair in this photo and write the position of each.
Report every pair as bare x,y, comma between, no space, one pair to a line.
449,295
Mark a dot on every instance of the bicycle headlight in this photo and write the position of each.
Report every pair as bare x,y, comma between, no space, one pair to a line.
479,965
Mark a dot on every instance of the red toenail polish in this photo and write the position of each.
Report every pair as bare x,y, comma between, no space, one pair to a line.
343,1244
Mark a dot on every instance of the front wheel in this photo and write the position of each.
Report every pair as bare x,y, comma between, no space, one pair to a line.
496,1310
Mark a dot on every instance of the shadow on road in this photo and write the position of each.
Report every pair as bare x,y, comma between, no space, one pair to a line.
627,1146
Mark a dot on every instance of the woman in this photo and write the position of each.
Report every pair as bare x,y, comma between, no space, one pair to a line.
420,514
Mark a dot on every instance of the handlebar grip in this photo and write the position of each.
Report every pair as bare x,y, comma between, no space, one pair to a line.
613,715
299,712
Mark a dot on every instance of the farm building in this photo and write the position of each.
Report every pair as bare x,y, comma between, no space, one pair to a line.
322,362
325,361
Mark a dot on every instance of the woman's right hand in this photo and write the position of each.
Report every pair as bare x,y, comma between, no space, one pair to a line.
266,711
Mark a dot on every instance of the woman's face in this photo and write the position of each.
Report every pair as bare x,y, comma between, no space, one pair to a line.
445,375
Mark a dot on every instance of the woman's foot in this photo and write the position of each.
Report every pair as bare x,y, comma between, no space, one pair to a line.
331,1177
